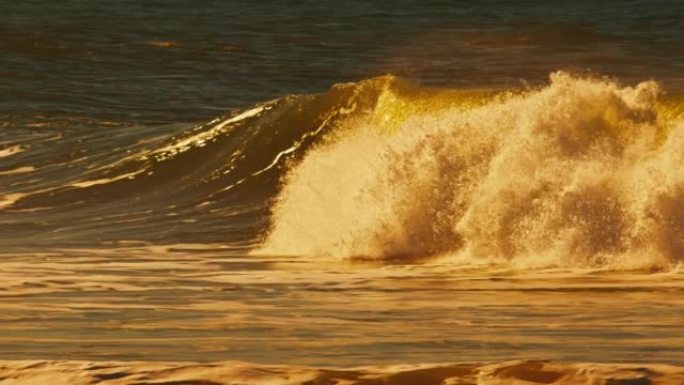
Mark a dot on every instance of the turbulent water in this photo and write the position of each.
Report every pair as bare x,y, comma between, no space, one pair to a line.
579,172
582,172
369,186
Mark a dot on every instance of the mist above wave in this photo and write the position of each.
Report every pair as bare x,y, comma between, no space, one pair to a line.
584,171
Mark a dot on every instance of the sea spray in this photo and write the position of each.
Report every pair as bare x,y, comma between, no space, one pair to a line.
581,172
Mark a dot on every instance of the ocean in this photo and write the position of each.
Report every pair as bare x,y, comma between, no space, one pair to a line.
342,192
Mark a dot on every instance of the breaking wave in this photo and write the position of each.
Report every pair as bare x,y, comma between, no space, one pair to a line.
581,172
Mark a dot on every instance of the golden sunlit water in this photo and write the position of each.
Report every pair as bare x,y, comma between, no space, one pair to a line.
370,193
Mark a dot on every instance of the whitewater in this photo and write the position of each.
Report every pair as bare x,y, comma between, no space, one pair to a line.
581,172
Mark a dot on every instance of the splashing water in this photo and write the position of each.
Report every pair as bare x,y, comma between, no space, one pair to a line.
581,172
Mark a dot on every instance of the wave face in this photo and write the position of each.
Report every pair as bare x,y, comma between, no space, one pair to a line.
65,183
583,171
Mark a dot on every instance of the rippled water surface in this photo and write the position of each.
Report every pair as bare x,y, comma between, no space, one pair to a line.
190,304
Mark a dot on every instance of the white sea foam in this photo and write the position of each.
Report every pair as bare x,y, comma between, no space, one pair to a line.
581,172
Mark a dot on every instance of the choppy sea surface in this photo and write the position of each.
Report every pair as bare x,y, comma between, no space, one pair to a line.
307,183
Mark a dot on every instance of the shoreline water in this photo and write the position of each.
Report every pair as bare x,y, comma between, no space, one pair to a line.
191,303
233,373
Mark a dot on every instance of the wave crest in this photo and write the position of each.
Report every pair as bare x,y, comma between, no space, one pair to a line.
581,172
